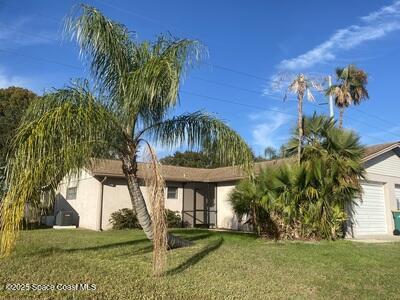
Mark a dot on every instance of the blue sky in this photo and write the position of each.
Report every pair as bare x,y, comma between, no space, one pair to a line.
250,43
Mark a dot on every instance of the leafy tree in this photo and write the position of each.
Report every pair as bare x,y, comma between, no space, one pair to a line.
13,103
350,88
191,159
138,86
272,153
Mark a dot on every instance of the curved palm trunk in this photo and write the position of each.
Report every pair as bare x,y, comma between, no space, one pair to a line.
300,123
139,205
341,113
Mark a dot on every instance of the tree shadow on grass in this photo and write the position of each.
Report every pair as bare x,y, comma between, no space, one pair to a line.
108,246
53,250
194,259
137,251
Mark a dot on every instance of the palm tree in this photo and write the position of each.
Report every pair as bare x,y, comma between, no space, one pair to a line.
301,86
309,200
350,88
135,87
332,162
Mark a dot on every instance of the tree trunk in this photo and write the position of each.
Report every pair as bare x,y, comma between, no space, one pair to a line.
341,112
300,96
139,205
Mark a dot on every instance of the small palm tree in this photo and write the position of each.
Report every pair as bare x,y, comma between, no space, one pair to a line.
332,163
350,88
136,87
302,86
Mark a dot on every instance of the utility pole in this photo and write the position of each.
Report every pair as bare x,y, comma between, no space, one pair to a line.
331,112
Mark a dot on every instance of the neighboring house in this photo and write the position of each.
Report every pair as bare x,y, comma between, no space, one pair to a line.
201,195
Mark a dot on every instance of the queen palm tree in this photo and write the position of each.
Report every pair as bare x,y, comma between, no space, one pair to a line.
135,87
350,88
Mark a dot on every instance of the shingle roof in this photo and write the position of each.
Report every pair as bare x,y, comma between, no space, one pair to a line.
373,150
113,168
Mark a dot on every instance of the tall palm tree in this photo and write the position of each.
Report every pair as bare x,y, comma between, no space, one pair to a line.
136,85
350,88
301,86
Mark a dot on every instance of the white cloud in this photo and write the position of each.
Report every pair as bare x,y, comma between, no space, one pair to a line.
7,80
267,127
373,26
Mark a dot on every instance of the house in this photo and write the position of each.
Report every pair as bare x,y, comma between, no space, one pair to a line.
201,195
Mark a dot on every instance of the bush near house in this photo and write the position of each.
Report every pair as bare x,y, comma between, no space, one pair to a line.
126,219
174,220
305,200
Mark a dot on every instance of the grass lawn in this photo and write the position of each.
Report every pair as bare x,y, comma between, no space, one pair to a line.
219,265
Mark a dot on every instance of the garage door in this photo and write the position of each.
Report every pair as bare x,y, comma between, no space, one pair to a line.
370,214
397,195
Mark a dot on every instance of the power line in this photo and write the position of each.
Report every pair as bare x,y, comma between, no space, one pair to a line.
169,26
40,59
374,116
31,34
213,65
35,13
221,67
238,88
238,103
199,95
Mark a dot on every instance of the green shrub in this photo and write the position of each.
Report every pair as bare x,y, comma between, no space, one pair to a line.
126,218
306,200
123,219
174,220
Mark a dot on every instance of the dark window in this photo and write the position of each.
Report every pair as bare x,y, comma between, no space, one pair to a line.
172,192
71,193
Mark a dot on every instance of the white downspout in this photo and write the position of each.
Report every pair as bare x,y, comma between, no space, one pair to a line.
100,205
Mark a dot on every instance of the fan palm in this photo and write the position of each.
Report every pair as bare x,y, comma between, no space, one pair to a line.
350,89
332,160
307,199
136,85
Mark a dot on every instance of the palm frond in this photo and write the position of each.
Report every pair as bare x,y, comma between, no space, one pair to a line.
59,134
203,131
151,89
106,45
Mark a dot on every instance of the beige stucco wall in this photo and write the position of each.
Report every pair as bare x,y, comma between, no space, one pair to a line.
86,206
116,196
226,218
384,169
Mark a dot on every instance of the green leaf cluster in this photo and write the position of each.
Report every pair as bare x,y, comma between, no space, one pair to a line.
310,200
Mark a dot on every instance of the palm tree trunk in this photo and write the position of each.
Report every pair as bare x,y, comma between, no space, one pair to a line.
139,205
300,96
341,113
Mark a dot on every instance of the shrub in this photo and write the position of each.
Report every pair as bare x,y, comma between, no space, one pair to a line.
306,200
174,220
123,219
126,218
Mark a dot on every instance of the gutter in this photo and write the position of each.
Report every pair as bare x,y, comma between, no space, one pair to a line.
101,198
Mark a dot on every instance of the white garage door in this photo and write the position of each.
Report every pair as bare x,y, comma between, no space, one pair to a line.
397,195
370,214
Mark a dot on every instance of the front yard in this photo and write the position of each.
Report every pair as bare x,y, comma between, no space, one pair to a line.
220,265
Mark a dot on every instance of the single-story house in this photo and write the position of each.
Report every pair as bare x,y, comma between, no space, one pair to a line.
200,196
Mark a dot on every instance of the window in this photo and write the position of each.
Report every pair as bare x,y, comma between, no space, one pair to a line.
172,192
71,193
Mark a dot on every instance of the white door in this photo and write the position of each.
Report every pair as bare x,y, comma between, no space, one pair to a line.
370,213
